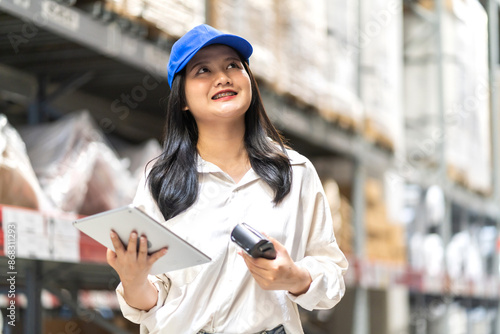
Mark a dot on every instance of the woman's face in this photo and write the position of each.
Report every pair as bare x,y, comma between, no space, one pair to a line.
217,86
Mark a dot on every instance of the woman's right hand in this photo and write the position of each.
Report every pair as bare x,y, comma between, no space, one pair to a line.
131,265
133,268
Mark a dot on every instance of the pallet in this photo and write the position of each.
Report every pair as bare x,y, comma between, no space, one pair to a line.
372,133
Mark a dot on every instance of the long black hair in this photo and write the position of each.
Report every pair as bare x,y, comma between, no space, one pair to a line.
173,179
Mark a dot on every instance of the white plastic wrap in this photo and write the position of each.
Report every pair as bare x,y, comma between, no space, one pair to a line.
381,72
138,156
465,97
18,183
427,254
463,258
76,167
110,186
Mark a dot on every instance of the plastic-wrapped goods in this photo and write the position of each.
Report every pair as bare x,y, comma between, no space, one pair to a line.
481,320
340,101
18,183
302,57
174,17
450,319
138,156
317,59
466,135
473,110
110,185
487,239
463,259
76,168
63,158
381,50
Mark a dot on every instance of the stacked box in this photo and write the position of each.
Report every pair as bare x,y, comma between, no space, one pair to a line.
64,238
385,240
381,71
465,97
341,211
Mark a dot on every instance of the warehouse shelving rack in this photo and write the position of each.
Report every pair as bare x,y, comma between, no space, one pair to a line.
485,206
106,61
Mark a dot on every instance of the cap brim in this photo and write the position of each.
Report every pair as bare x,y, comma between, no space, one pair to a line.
239,44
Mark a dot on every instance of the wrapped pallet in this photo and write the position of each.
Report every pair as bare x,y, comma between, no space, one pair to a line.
303,51
77,168
173,17
466,136
340,102
18,183
302,56
381,49
138,156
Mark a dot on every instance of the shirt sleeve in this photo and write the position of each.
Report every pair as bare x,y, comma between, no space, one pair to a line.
145,201
162,284
323,258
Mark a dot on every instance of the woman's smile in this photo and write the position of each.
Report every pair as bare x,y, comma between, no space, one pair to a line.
224,95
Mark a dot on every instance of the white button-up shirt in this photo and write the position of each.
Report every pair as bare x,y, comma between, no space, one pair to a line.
222,296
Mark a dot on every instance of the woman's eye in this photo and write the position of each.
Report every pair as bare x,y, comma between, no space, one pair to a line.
233,65
202,70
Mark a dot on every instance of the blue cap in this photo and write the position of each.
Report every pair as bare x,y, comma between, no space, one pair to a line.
195,39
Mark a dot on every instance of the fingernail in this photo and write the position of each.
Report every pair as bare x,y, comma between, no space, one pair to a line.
112,234
134,235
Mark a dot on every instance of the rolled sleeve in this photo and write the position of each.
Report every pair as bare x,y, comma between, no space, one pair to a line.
327,287
140,316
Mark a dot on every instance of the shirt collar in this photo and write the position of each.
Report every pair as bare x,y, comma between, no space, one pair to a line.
296,158
204,166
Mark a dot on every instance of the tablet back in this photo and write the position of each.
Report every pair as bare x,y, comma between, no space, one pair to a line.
124,220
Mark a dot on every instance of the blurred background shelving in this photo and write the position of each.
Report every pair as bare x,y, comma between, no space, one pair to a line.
395,102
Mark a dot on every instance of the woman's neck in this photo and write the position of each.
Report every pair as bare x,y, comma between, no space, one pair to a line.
225,149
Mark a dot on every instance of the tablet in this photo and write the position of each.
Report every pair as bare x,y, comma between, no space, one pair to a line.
124,220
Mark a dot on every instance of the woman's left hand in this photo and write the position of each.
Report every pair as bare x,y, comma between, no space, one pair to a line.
278,274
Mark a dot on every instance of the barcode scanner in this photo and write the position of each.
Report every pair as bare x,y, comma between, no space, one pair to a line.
253,242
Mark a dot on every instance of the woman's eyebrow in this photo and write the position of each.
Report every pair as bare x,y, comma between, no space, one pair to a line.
204,62
190,67
232,58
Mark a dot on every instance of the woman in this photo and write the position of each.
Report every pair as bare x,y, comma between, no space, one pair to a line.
223,164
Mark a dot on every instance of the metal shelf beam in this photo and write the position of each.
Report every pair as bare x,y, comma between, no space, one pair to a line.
79,27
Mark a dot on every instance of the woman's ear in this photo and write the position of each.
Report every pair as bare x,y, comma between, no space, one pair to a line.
185,108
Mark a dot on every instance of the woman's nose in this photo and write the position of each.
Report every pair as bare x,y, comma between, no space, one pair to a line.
222,79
